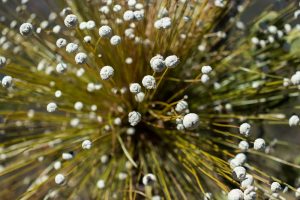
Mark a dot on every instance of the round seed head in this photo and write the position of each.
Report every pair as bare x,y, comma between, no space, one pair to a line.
172,61
259,144
86,144
61,67
128,15
239,173
191,121
157,63
106,72
71,21
139,97
244,145
135,88
78,106
80,58
148,179
276,187
294,120
2,61
51,107
138,15
247,182
235,194
61,42
7,81
134,118
59,179
71,47
100,184
181,106
26,29
105,31
245,129
204,78
90,24
149,82
206,69
295,79
115,40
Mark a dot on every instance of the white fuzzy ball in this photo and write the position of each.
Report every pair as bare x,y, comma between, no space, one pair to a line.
204,78
249,193
172,61
26,29
235,194
71,47
100,184
139,97
86,144
206,69
244,145
90,24
295,79
245,129
259,144
149,82
276,187
135,88
61,67
239,173
105,31
157,63
163,23
51,107
115,40
138,15
78,106
191,121
247,182
61,42
106,72
128,15
294,120
80,58
70,21
7,81
2,61
134,118
148,179
181,106
59,179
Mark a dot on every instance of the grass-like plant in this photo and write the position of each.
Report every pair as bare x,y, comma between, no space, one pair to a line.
153,99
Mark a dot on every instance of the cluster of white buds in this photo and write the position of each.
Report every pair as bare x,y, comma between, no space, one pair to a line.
206,70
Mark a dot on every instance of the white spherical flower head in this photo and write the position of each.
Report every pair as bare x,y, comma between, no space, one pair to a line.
239,173
135,88
57,165
149,179
2,61
134,118
59,179
294,120
100,184
157,63
80,58
26,29
166,22
115,40
78,106
172,61
247,182
204,78
71,47
241,157
181,106
259,144
295,79
58,93
70,21
249,193
245,129
61,67
82,25
87,39
149,82
128,15
190,121
206,69
7,81
276,187
106,72
90,24
51,107
244,145
105,31
138,15
139,97
86,144
61,42
235,194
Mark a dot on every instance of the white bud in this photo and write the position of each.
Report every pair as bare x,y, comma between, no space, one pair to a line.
82,25
71,47
51,107
67,156
157,63
172,61
244,145
104,159
259,144
235,194
105,31
138,15
191,121
122,176
297,193
57,165
58,93
100,184
249,193
90,24
7,81
117,121
71,21
61,42
135,88
204,78
117,8
61,67
245,129
163,23
115,40
241,157
2,61
59,179
239,173
148,179
87,39
78,106
128,15
294,120
247,182
26,29
276,187
206,69
181,106
80,58
295,79
86,144
106,72
149,82
134,118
